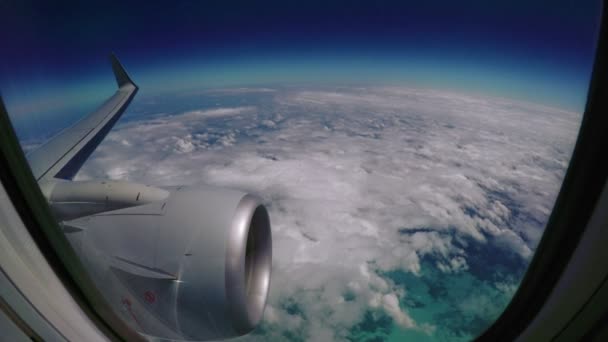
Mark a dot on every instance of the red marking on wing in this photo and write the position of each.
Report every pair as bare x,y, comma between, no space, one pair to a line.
126,303
150,297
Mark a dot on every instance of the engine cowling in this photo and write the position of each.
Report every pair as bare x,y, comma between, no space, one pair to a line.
193,266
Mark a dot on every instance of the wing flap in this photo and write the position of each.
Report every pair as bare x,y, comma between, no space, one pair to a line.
63,155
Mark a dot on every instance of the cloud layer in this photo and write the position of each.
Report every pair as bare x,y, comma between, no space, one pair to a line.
362,184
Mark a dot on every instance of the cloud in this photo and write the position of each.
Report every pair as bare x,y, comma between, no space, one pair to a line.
390,303
214,113
360,182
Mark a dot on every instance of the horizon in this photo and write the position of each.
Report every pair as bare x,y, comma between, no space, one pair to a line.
522,51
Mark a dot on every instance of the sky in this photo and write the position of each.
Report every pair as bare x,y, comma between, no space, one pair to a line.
54,55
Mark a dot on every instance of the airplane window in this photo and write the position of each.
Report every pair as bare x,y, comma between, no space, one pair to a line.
341,171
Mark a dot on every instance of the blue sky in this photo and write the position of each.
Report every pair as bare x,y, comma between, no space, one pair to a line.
55,55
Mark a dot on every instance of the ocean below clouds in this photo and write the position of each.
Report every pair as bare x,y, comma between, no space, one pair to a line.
397,212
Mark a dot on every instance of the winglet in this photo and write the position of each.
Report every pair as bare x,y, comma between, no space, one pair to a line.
63,155
122,78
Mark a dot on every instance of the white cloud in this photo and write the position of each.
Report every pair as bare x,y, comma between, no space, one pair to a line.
390,302
214,113
359,182
184,145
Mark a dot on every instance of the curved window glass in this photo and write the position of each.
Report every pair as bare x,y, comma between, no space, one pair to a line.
406,155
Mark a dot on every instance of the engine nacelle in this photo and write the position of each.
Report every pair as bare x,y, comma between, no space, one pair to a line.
193,266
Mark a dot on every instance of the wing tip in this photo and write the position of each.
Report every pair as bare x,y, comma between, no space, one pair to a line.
122,77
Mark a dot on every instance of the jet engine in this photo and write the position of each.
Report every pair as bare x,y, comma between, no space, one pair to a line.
189,263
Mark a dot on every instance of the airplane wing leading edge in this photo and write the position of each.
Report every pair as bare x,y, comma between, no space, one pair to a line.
64,154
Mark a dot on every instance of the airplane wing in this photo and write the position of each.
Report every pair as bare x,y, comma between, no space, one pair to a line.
63,155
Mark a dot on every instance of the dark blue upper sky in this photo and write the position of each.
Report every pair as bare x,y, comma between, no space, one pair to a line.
540,51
